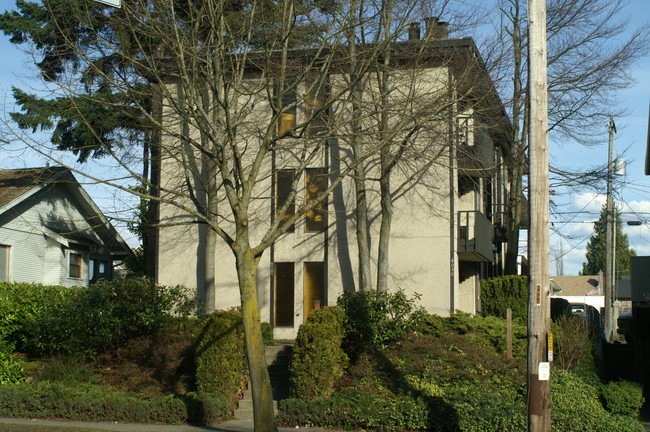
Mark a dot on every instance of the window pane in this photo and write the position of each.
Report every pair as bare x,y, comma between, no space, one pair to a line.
284,183
284,294
4,263
288,110
315,185
75,265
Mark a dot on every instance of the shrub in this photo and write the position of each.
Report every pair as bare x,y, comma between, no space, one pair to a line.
220,355
355,411
22,306
318,360
45,399
67,369
623,397
487,331
375,319
207,408
103,316
480,411
11,369
576,407
502,293
572,343
267,334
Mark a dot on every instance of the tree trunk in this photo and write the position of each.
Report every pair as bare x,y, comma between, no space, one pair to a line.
363,240
384,232
264,417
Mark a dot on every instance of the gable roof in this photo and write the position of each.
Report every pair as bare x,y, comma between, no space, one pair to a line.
17,185
577,285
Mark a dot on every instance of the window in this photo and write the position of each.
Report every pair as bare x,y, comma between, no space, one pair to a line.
4,263
315,98
315,185
287,119
284,294
283,187
75,269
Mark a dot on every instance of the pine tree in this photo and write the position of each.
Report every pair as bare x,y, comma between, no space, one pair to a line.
596,248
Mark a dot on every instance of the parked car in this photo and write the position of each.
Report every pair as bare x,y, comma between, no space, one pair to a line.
624,322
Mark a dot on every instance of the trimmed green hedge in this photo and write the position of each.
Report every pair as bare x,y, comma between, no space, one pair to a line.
318,360
502,293
54,400
356,412
220,355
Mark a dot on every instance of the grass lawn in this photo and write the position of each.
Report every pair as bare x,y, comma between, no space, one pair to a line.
4,427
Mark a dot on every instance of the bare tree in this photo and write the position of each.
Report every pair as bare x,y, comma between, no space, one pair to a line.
236,95
586,69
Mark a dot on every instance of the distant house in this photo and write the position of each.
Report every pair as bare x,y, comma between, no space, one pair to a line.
580,289
52,232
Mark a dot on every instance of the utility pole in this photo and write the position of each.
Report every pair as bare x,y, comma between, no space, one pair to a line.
609,241
539,371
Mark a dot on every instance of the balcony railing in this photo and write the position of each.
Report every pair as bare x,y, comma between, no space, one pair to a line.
475,237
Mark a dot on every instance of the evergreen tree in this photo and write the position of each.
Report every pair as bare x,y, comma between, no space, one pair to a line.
596,248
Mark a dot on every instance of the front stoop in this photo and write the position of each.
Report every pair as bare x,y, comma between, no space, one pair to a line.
277,360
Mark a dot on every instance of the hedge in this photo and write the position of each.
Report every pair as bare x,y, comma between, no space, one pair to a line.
220,354
45,399
318,360
502,293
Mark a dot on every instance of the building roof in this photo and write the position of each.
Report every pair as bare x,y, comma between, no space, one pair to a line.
577,285
15,183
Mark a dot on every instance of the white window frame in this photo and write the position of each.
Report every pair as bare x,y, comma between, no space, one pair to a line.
81,264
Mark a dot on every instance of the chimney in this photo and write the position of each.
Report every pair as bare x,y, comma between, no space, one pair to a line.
436,29
414,31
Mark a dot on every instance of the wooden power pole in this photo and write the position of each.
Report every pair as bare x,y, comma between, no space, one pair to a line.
539,389
610,250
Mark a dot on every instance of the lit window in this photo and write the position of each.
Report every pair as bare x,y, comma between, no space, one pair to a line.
287,119
75,270
315,186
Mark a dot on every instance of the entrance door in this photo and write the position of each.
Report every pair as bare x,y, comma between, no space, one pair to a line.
314,286
284,294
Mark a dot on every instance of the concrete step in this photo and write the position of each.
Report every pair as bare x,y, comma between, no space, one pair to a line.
277,361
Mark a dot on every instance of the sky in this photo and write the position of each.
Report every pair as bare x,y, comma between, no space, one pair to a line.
575,212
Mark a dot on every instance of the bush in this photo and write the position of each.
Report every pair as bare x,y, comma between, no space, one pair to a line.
573,344
356,411
67,369
55,400
502,293
207,408
623,398
267,334
220,355
375,320
105,315
22,306
487,331
480,411
318,360
576,407
11,369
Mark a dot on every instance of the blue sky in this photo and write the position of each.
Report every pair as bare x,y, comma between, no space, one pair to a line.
579,209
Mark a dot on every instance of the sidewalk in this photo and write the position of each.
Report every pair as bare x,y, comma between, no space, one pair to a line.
229,426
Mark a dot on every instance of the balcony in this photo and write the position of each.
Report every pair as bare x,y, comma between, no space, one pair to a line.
475,235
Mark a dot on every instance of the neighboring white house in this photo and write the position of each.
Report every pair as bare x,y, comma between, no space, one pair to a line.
448,226
51,231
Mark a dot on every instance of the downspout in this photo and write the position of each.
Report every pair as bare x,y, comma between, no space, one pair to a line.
452,198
